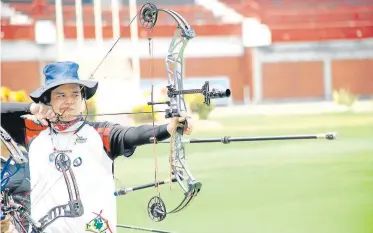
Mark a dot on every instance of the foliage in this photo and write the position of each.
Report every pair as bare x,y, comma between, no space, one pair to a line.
92,109
160,95
196,104
7,95
344,97
144,117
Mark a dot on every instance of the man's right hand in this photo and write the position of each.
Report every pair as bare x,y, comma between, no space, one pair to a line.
43,113
7,226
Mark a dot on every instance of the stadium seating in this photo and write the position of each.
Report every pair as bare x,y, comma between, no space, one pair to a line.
282,4
162,2
41,9
194,13
289,20
310,20
204,21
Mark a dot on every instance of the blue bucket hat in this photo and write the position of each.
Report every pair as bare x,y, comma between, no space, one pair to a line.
59,73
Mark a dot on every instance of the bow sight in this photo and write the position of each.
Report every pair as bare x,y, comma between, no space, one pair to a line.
205,91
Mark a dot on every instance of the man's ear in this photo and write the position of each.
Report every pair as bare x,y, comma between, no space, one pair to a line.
83,93
46,98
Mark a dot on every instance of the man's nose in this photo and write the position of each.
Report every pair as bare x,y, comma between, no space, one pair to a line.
70,100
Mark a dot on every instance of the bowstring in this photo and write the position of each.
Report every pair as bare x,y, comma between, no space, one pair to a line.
112,47
171,155
151,72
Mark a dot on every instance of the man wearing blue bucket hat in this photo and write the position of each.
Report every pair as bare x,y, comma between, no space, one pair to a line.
63,144
64,75
60,73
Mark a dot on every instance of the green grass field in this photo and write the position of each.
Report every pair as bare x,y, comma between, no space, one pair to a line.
309,186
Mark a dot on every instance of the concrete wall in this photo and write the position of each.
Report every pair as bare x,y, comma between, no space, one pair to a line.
278,72
314,69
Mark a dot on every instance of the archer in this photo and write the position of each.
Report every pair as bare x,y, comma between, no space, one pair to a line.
69,155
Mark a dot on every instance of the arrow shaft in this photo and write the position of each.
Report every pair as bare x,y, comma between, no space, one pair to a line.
141,228
228,139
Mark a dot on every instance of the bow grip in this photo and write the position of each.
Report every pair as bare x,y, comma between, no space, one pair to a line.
180,130
182,127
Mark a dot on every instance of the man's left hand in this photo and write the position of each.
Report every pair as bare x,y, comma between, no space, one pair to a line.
176,121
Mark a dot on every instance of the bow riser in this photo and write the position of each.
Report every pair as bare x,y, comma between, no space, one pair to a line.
174,67
175,59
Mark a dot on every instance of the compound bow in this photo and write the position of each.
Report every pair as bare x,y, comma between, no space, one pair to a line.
174,62
177,107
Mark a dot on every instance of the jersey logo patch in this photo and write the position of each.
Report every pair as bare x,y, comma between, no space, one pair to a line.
80,140
98,225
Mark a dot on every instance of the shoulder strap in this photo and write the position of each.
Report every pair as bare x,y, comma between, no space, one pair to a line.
32,130
104,133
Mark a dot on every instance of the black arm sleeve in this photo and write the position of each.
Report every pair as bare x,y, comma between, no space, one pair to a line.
137,136
12,122
124,140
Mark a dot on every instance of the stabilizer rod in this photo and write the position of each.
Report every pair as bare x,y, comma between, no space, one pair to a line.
124,191
141,228
228,139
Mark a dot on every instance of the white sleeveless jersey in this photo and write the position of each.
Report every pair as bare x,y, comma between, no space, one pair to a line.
93,174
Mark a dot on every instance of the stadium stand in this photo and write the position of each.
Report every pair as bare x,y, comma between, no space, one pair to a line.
40,9
162,2
288,20
309,20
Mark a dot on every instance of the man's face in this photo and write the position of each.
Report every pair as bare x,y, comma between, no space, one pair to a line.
66,100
